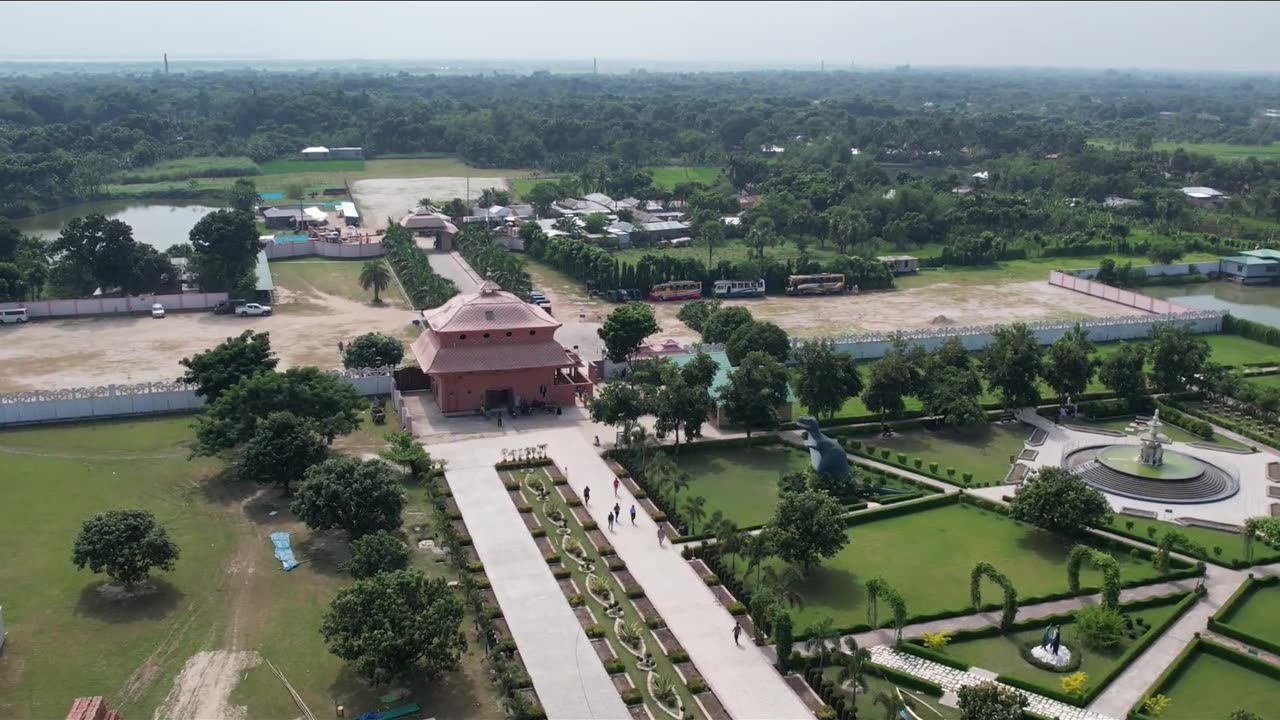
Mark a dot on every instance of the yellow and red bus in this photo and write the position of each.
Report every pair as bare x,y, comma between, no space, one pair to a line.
676,290
825,284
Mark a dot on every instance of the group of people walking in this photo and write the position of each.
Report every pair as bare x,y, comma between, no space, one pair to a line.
615,515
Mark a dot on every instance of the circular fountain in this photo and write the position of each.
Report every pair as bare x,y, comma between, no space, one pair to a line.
1149,471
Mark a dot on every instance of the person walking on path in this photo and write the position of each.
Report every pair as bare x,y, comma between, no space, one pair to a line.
617,511
737,630
586,494
610,522
633,514
661,536
339,347
615,487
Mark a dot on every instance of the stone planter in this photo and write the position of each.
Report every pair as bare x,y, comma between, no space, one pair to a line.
606,601
618,627
676,712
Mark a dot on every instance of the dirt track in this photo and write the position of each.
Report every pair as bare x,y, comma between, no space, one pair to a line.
57,354
380,199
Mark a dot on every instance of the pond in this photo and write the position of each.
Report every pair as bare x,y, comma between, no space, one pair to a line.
161,225
1259,303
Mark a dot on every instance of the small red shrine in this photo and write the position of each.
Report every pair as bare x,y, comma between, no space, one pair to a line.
491,350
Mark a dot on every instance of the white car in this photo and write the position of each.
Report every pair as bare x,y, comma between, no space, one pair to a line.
253,309
157,310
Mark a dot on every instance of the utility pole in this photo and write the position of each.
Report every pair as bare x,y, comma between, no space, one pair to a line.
595,66
166,63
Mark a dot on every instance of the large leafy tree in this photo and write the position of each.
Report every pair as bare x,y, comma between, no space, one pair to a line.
346,493
625,328
1012,365
806,528
377,553
225,246
889,381
1069,363
330,404
953,394
695,313
1121,373
756,389
759,336
1057,500
125,544
542,195
991,701
281,450
375,276
700,371
396,626
243,195
825,379
215,371
1178,355
680,405
618,404
93,252
723,322
373,350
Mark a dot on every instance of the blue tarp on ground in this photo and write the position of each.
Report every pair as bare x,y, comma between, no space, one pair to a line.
286,239
284,552
271,196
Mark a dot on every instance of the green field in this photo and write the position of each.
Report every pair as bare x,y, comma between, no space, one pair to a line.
1002,654
307,276
1265,381
1222,151
917,554
191,167
1007,271
1257,614
731,250
67,637
665,177
283,167
983,450
1212,687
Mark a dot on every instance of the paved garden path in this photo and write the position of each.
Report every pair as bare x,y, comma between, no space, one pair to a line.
568,676
741,675
952,679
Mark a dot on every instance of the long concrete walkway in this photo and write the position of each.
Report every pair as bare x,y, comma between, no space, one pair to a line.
741,676
566,673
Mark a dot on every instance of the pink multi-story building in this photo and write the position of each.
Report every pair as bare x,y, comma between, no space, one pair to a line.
491,350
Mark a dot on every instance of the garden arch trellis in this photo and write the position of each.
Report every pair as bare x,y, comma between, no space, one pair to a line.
877,588
1105,563
987,570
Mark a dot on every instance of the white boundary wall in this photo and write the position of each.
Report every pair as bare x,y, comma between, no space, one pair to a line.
117,306
160,398
325,249
1208,267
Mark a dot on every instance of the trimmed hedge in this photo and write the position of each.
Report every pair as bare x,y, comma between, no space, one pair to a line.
898,677
1248,329
1184,659
913,647
1221,622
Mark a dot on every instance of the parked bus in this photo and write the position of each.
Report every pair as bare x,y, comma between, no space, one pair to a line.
676,290
815,284
738,288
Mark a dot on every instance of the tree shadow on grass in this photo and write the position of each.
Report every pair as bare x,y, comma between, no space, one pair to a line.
461,694
269,508
225,488
104,600
1048,547
325,551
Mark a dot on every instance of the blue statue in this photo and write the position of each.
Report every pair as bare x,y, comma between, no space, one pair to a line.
826,454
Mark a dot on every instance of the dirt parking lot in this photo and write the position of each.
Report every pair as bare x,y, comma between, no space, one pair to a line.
381,199
55,354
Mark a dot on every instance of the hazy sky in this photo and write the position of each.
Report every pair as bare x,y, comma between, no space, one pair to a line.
1158,35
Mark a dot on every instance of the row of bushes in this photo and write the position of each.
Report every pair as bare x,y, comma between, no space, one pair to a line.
906,462
1227,423
424,287
1187,656
1221,622
1200,553
1195,426
1251,330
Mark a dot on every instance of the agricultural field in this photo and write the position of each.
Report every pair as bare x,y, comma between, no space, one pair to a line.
191,167
190,642
1006,271
290,167
1222,151
938,579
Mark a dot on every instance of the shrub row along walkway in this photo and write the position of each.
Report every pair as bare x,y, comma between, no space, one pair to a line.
952,679
741,675
568,677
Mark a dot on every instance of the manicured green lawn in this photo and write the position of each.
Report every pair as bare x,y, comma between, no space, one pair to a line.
65,638
983,451
331,277
1259,614
1212,687
1236,350
669,176
1007,271
1174,432
1265,381
875,685
1231,543
1002,654
741,482
928,555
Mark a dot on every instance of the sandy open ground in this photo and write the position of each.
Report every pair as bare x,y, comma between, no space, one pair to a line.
305,330
381,199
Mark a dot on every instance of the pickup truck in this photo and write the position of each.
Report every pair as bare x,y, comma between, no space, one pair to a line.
253,309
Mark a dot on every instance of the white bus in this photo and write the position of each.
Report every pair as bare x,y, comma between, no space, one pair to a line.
738,288
13,315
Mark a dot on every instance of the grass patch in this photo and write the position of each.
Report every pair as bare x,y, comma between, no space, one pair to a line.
1001,654
1222,151
1021,270
731,250
1174,432
1236,350
1232,545
282,167
1265,381
866,700
741,482
191,167
983,450
936,580
1256,614
331,277
669,176
1210,686
64,637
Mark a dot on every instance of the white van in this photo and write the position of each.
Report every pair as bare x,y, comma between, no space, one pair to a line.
13,315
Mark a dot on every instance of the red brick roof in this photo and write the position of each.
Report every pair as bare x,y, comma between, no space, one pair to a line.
91,708
489,309
434,359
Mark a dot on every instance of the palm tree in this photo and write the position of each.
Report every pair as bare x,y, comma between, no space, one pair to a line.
822,638
677,481
637,437
855,663
891,705
660,472
757,550
730,542
375,276
695,509
783,583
